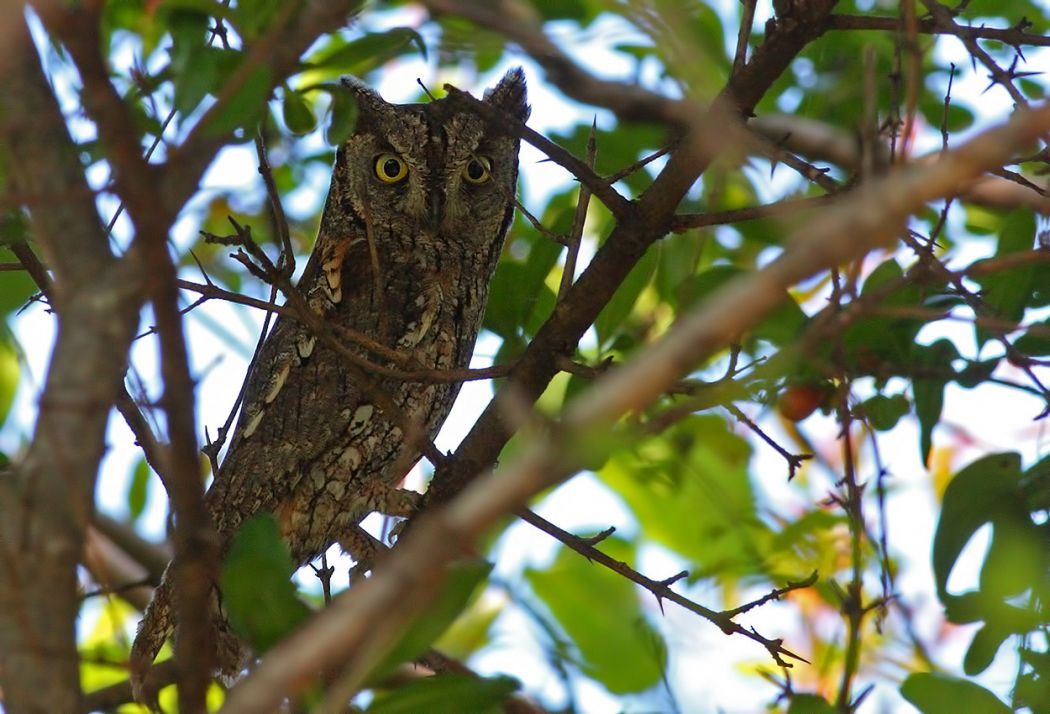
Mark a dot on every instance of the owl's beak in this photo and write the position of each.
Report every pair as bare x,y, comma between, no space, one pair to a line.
437,209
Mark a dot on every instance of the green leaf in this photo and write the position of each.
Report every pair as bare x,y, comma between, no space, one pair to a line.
519,300
503,312
810,704
929,391
343,113
244,106
259,598
976,372
138,490
462,580
254,16
542,305
882,339
1040,296
1016,558
973,497
446,694
1008,292
191,68
691,491
296,113
959,117
17,287
934,693
1036,340
470,631
361,55
537,300
983,648
781,326
884,412
600,612
10,370
610,320
1036,485
887,276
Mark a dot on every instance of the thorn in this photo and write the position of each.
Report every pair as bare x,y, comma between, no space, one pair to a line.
795,463
668,582
425,90
596,539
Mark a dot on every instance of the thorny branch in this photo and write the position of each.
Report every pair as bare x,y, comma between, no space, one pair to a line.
410,575
557,341
661,589
946,23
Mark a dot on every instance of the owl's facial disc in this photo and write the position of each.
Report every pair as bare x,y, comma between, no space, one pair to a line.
439,169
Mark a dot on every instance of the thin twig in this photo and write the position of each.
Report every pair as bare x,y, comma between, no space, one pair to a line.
572,249
661,589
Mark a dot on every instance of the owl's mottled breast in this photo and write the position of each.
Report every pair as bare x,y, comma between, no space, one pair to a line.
419,205
420,202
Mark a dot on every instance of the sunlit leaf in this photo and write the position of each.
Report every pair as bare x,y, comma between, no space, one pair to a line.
10,371
691,492
617,645
1016,558
460,582
446,694
138,489
810,704
974,496
934,693
470,631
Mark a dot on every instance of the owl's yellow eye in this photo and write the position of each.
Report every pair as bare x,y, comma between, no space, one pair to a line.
477,170
390,168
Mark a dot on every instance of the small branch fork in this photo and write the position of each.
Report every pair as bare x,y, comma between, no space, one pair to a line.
661,589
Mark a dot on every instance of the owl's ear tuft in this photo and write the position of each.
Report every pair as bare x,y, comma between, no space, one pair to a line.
368,99
510,94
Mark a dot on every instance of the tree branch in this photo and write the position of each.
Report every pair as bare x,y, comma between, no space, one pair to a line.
46,503
648,221
1014,36
357,628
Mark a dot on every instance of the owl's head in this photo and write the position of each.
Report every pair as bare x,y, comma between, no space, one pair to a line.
437,170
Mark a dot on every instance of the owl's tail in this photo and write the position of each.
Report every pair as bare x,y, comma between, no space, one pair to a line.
158,624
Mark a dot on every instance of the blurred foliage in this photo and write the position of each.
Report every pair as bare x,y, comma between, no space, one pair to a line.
863,345
613,641
258,597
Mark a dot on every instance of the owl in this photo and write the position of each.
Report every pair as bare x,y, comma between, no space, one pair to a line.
420,201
